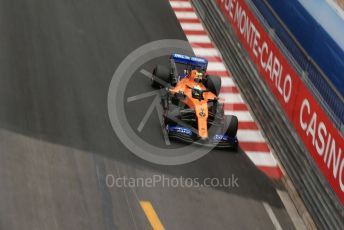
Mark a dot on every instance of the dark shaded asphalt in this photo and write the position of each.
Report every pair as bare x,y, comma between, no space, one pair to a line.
56,142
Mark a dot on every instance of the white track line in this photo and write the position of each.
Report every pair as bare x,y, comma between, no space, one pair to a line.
272,216
291,209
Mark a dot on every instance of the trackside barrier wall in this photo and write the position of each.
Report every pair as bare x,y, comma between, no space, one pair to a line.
322,139
230,21
327,94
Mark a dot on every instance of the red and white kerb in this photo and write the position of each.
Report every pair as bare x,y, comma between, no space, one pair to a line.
250,138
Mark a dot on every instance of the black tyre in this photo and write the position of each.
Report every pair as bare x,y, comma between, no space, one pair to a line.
161,76
172,114
231,125
213,83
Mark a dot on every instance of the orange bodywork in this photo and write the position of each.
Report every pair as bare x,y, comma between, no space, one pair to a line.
201,106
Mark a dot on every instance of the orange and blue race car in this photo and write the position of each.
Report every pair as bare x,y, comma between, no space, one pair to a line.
192,109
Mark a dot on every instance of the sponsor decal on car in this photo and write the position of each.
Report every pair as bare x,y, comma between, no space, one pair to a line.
220,137
179,129
202,113
197,59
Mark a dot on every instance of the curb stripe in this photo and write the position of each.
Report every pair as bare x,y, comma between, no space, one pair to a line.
189,20
195,32
250,136
215,59
235,107
224,73
198,39
204,52
229,89
217,66
185,14
192,26
243,116
262,159
182,9
254,146
180,4
227,81
231,98
201,45
248,125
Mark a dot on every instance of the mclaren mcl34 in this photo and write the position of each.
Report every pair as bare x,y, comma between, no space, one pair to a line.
192,109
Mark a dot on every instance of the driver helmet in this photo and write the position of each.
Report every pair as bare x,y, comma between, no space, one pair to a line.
196,76
196,91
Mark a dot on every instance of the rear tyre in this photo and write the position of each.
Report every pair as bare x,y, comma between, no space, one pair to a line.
231,125
213,83
161,76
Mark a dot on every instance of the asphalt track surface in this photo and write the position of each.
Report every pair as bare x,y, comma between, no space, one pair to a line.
57,59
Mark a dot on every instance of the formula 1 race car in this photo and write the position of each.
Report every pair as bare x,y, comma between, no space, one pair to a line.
193,112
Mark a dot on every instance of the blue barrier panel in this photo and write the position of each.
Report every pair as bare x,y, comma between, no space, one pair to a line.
320,32
324,49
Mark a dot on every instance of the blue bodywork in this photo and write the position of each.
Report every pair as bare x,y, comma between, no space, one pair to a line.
179,129
192,61
220,137
217,138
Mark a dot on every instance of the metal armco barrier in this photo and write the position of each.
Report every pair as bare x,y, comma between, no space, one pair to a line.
279,119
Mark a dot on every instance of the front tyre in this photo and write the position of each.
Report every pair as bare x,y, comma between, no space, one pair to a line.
213,83
231,125
160,77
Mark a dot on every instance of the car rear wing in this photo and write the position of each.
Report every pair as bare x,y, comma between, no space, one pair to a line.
192,61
